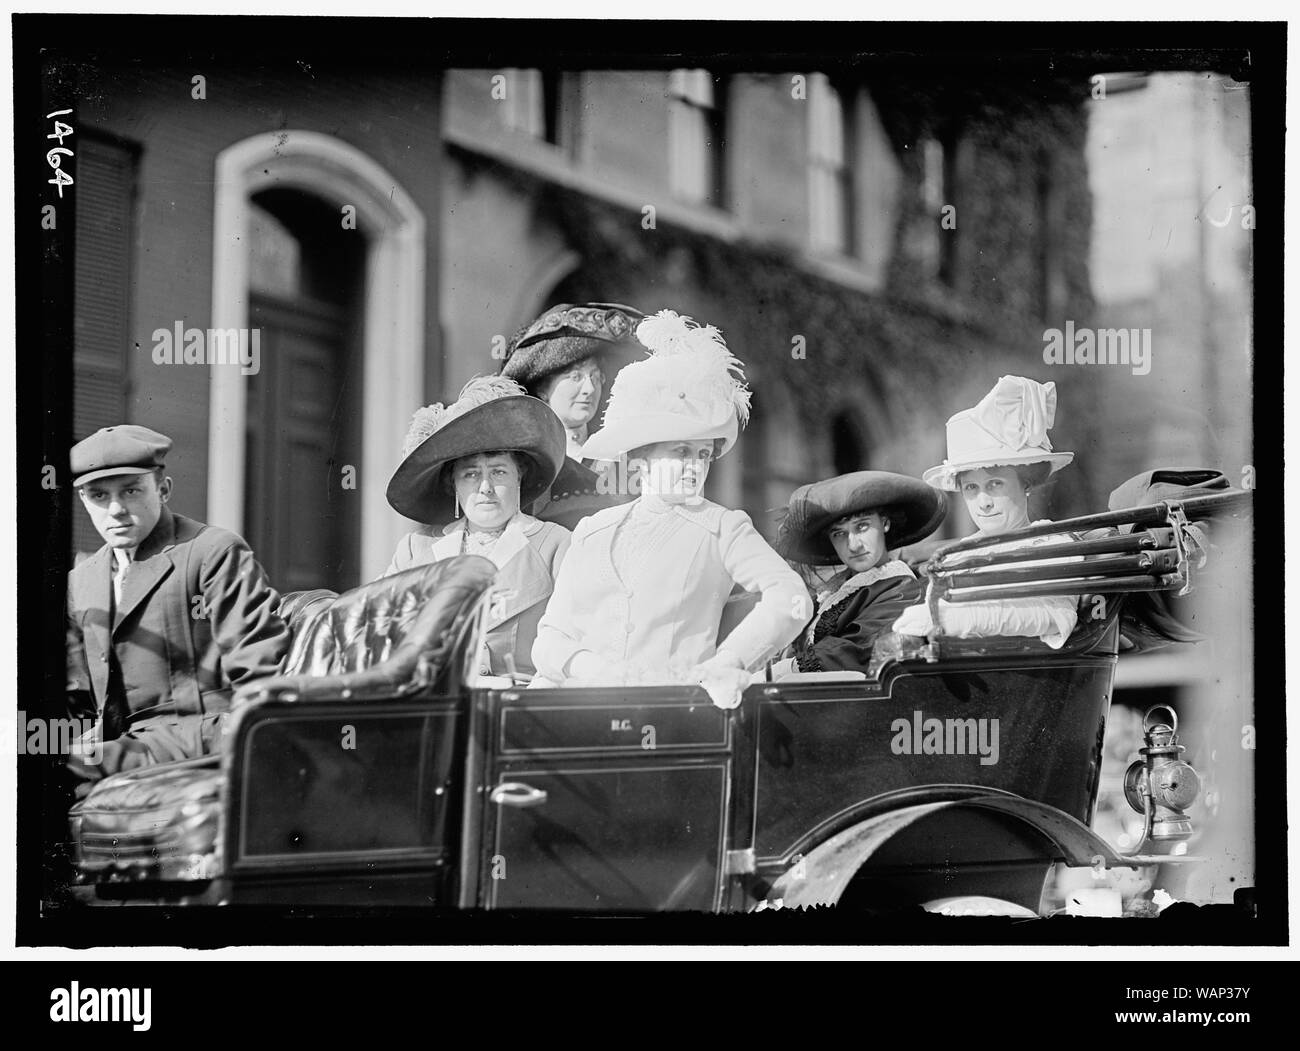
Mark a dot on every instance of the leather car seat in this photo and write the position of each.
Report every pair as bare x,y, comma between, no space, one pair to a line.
392,637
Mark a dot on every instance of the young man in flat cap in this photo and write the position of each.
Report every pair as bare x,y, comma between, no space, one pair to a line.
164,620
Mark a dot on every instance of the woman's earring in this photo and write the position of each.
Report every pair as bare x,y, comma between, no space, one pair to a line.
457,499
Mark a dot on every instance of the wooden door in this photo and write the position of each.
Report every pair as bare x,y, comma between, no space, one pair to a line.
302,512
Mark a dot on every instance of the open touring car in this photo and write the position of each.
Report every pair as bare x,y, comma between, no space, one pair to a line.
382,769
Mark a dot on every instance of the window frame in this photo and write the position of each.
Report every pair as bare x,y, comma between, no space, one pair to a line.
839,177
686,94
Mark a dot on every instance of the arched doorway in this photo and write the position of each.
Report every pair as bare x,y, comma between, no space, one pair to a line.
388,322
306,301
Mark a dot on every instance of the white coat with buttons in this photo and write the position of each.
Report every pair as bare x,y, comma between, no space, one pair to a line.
663,620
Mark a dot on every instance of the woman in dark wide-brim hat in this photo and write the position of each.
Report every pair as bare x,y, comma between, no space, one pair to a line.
566,357
477,464
854,521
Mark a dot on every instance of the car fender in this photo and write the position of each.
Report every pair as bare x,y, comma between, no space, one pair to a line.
820,876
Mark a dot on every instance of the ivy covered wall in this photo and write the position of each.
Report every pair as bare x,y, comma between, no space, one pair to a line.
920,349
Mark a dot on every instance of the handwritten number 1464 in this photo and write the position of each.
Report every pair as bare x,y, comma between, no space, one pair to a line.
54,158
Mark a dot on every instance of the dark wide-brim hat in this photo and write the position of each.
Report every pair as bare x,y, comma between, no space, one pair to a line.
814,508
566,334
516,423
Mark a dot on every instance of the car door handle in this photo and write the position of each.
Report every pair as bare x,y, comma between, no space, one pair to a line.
516,793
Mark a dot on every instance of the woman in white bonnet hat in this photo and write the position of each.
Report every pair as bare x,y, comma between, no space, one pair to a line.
641,593
997,452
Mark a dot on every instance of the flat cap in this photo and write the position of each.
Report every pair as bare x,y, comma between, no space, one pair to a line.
122,449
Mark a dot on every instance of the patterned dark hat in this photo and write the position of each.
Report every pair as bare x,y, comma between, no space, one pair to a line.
566,334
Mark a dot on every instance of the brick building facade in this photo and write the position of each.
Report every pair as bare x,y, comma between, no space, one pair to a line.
878,249
180,178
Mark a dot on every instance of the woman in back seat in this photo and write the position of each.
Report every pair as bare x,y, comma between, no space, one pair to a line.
854,521
641,594
997,452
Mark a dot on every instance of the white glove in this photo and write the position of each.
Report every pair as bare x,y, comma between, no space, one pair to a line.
915,620
725,678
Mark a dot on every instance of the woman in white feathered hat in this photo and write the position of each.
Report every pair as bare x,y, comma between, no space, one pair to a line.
477,465
998,452
641,593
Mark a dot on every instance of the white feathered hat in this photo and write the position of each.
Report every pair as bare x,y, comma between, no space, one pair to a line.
691,387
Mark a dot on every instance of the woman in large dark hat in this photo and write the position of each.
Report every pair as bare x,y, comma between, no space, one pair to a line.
477,465
854,521
566,358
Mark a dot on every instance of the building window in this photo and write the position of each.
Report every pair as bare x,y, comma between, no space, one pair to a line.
696,136
560,108
542,104
1051,219
830,168
521,108
938,232
932,174
104,208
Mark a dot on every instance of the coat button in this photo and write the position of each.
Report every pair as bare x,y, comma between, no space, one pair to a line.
485,671
629,628
103,658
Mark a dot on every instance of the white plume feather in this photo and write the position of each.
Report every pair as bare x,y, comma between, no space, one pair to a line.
687,361
478,391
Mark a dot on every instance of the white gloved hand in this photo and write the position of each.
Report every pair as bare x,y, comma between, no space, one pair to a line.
915,620
725,678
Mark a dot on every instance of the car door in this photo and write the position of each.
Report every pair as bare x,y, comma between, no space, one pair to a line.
612,799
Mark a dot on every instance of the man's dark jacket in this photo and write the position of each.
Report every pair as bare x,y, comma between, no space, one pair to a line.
197,618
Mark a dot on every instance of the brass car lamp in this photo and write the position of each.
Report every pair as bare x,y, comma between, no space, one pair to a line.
1160,785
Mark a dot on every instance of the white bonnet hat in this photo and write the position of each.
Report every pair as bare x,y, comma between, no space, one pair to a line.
1008,428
